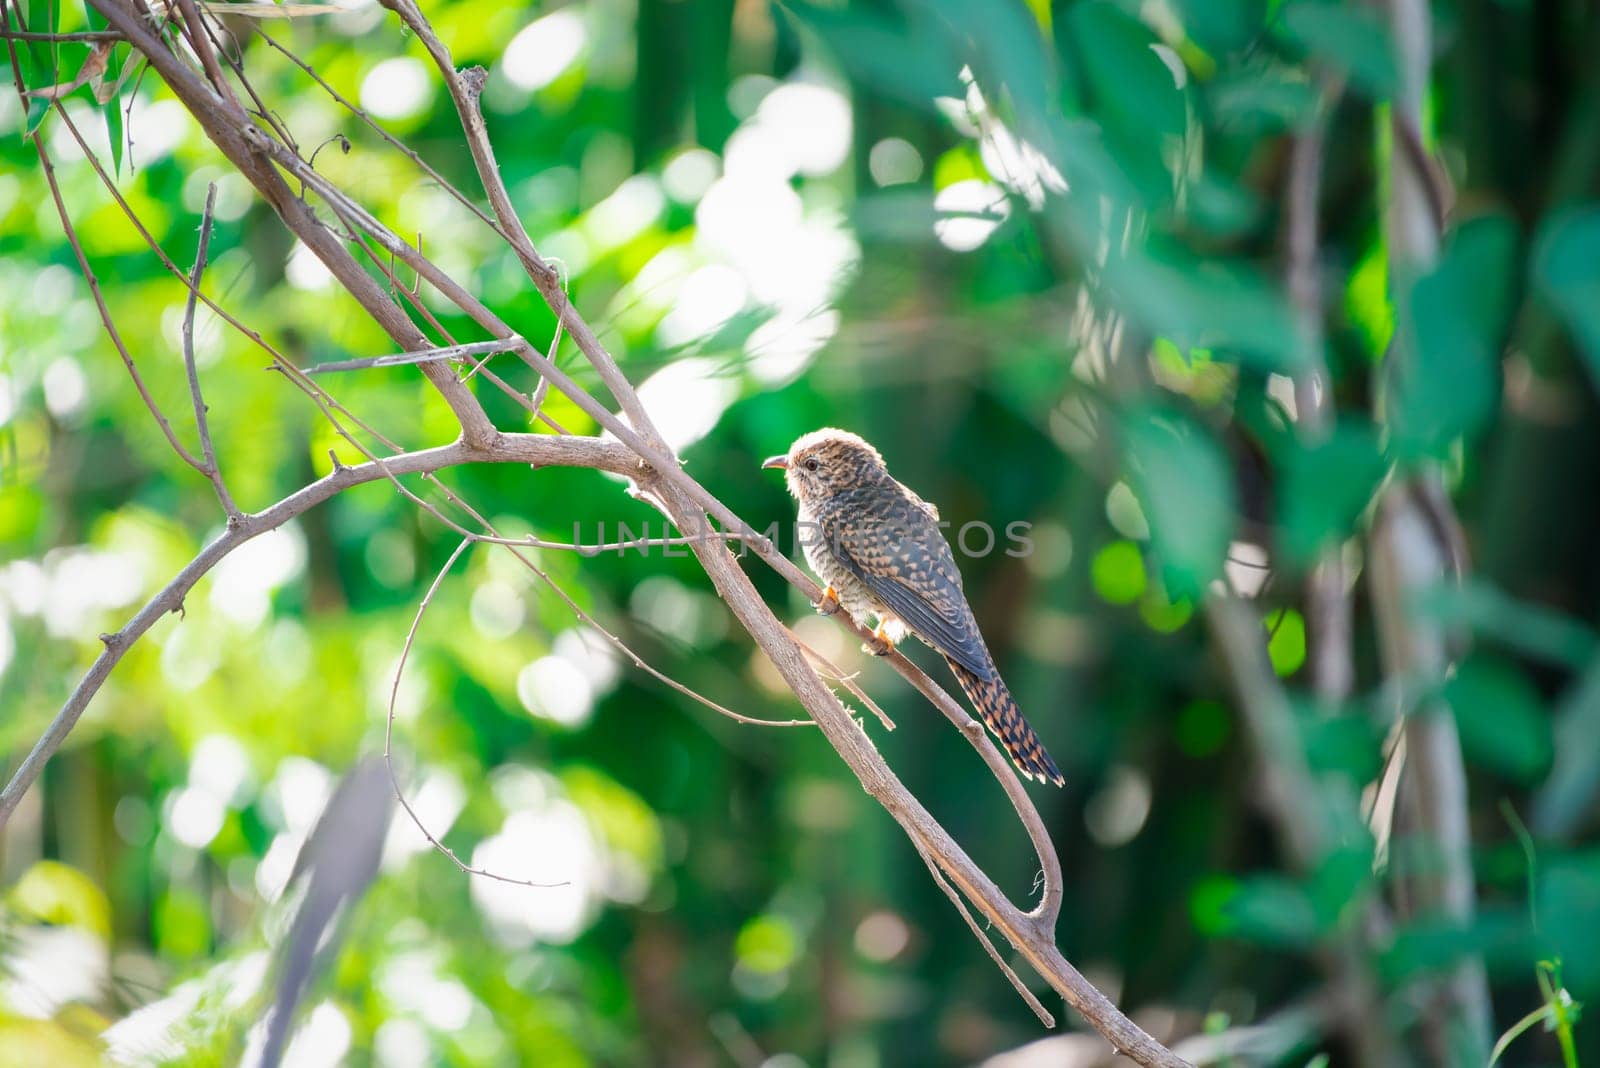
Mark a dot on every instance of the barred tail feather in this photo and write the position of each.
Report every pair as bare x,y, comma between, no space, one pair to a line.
1001,715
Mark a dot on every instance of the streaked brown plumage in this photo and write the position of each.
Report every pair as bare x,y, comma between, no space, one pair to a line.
879,548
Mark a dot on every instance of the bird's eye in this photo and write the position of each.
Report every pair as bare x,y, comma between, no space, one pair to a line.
811,463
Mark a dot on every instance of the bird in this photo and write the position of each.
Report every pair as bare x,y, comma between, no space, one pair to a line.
879,549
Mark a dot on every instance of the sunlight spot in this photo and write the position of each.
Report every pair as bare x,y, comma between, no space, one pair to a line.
894,161
242,584
1125,514
53,289
158,128
1019,165
882,936
296,796
677,611
689,174
396,88
1246,568
24,585
497,610
550,844
553,688
782,347
1281,389
591,654
411,982
403,1043
815,124
193,816
305,271
83,582
1117,812
971,210
321,1041
707,299
544,49
688,398
190,657
221,767
277,865
50,967
747,91
437,803
630,209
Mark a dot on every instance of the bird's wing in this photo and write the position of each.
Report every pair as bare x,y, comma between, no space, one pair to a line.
898,551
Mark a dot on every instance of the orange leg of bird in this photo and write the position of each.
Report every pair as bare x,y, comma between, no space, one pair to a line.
829,604
881,644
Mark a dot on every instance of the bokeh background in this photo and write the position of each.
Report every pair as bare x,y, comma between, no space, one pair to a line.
892,217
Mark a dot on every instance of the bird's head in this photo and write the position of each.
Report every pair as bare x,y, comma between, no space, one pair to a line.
827,461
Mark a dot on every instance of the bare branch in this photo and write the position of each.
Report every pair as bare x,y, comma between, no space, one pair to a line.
237,138
639,454
1328,612
465,90
207,449
540,449
453,353
1409,553
983,939
388,735
94,291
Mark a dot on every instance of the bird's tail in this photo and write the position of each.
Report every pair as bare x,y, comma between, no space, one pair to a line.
1000,714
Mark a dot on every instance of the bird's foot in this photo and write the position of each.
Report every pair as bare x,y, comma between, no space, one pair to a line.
829,603
881,644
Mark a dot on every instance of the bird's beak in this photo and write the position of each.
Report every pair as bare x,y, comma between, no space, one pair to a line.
780,462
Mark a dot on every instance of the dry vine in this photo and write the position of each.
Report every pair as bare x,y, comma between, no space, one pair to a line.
181,46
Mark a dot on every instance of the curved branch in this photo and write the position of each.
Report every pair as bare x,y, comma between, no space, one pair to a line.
638,453
509,448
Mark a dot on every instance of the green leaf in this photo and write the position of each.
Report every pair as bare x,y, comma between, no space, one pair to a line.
924,64
38,108
1566,266
1264,101
1117,573
1272,910
112,108
1222,25
1184,485
1327,486
1530,628
1286,642
55,893
1568,889
114,132
1503,725
1131,88
1206,304
1448,378
1348,38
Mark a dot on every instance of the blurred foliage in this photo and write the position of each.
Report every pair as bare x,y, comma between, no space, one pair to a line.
1034,251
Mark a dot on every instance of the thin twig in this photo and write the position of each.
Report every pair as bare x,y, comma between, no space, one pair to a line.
685,501
454,353
982,936
81,37
1328,610
834,673
207,449
542,449
394,142
94,290
388,738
